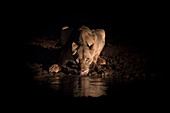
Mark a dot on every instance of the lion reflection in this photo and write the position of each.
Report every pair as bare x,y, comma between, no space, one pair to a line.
88,86
83,86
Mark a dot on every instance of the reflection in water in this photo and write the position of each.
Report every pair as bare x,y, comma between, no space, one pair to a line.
86,86
83,86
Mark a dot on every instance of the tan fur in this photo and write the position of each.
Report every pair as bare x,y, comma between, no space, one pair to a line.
85,48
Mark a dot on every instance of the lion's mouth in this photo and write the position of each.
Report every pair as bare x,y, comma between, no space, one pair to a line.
83,73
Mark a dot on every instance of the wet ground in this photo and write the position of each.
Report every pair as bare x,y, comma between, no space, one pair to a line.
129,70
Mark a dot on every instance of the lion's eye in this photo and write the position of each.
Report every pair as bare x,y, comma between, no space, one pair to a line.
90,46
87,59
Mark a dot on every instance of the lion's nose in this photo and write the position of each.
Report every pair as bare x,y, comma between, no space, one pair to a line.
83,73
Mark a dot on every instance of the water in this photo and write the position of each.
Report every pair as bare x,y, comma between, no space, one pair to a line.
79,86
92,86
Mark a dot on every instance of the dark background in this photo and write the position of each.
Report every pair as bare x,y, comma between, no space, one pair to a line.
139,24
142,22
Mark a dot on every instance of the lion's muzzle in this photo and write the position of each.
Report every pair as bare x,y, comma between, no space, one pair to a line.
83,73
84,69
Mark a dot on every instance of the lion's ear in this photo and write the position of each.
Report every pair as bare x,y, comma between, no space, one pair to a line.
100,33
65,27
74,47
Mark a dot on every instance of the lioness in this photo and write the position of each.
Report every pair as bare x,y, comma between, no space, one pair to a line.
81,46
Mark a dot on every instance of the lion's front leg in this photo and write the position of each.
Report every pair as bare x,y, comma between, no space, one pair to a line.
98,60
95,59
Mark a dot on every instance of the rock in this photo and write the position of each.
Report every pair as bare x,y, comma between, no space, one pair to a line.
106,73
54,68
94,73
109,68
45,72
115,62
98,68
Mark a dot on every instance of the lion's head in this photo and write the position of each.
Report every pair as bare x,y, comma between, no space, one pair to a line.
86,45
83,58
83,51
